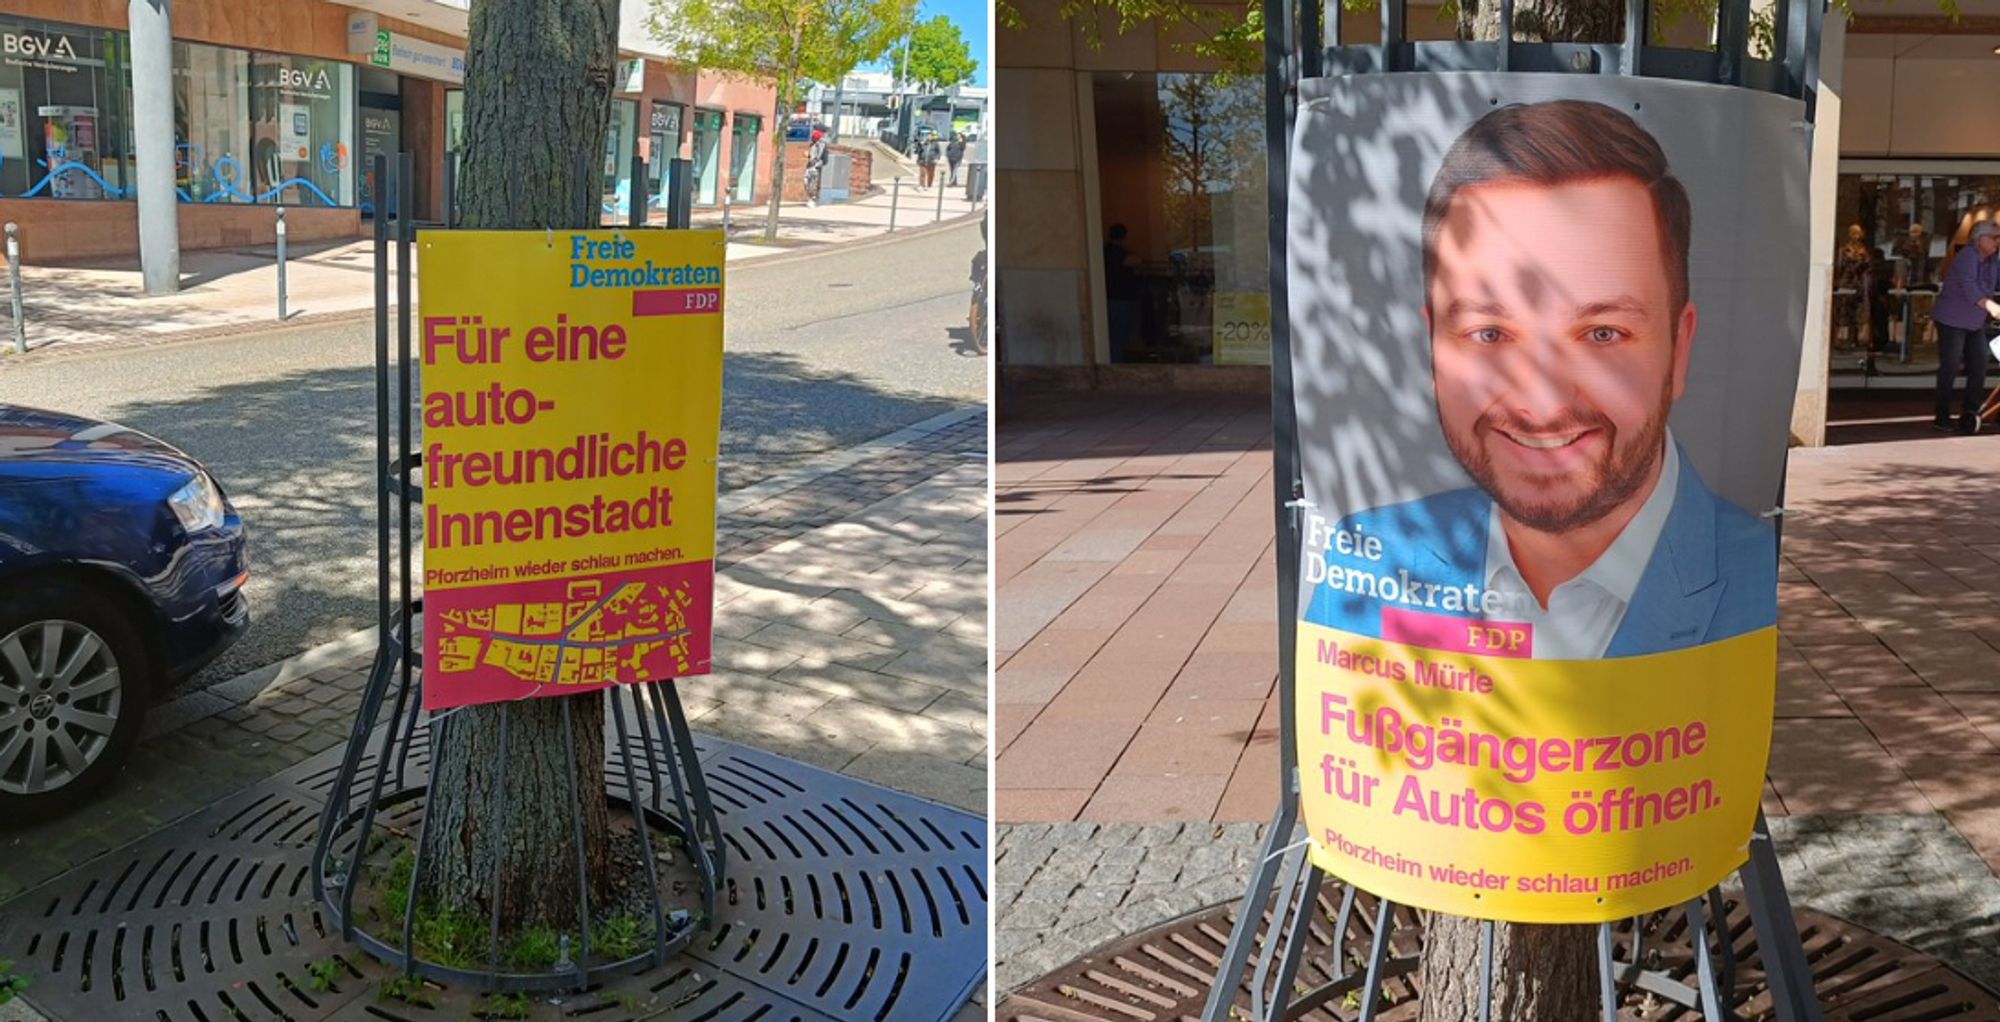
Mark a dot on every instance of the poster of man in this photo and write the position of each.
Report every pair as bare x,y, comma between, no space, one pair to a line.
1545,335
1561,324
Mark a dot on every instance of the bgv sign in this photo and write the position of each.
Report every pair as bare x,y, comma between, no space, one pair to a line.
52,47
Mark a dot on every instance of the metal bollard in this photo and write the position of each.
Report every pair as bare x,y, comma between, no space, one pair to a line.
895,193
14,286
940,205
281,264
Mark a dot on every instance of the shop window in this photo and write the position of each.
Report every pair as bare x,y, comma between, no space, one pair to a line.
743,157
301,124
63,99
620,143
211,123
1182,193
1898,228
707,154
665,147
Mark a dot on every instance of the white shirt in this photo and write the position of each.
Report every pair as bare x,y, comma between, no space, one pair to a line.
1584,613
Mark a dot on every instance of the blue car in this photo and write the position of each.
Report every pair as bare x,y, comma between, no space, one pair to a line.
122,567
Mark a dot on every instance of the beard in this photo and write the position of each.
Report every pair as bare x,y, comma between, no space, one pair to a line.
1541,503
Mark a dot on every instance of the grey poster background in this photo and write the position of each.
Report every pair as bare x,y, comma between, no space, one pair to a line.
1363,155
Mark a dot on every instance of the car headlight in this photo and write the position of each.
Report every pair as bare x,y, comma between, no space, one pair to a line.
198,504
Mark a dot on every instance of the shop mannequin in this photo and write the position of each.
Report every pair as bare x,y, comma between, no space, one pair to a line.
1850,288
1914,274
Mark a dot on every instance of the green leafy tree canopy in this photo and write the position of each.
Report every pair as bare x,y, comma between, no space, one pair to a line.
787,42
938,57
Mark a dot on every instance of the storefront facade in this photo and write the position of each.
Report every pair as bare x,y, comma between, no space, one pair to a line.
285,104
1132,246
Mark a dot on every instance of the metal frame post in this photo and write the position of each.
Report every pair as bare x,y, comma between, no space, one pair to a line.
14,287
370,796
281,265
895,196
635,193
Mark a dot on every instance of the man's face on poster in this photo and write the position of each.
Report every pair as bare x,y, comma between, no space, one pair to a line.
1555,348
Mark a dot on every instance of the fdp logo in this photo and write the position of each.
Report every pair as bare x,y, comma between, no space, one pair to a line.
47,46
293,78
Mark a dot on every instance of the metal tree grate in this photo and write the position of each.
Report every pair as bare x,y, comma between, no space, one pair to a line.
1164,974
852,903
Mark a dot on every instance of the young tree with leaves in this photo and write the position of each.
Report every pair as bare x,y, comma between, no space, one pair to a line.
790,42
938,57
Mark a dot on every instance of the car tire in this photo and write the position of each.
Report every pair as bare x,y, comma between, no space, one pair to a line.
74,714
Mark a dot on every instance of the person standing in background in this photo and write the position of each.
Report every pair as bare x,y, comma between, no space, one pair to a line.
954,154
1964,303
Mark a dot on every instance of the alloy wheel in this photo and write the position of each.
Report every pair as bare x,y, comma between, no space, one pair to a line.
60,697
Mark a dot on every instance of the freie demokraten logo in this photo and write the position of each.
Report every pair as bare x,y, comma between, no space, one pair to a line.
50,47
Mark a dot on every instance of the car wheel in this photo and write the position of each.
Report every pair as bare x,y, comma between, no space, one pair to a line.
73,682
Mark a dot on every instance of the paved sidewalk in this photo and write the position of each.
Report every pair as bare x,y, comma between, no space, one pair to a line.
850,634
235,290
1136,654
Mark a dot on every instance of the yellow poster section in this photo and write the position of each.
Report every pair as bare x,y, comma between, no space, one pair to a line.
1242,328
1531,791
663,386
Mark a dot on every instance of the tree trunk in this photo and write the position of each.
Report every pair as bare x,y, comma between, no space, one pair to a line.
781,129
537,104
1540,973
1549,21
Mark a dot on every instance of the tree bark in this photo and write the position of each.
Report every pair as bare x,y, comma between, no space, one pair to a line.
781,128
537,104
1540,973
1549,21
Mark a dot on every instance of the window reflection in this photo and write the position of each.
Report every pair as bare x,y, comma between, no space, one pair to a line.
1897,234
1182,187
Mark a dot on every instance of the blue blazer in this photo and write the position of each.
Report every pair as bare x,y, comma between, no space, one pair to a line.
1713,574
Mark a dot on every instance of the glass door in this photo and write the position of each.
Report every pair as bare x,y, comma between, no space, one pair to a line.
707,155
743,157
1899,224
619,146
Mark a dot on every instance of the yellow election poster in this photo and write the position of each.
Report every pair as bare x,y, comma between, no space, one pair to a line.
572,412
1542,390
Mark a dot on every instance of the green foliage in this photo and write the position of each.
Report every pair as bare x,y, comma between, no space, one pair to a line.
407,989
455,939
537,948
11,983
790,41
504,1006
938,57
321,974
395,889
621,937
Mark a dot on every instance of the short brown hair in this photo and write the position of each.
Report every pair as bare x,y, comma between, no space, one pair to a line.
1560,142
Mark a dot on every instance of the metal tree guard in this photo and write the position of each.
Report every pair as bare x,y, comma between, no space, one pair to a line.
662,786
1297,47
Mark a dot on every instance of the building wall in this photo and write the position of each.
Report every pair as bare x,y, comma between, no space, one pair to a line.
732,94
1920,96
57,231
860,177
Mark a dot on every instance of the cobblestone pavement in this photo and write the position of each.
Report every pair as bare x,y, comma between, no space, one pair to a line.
1064,889
850,634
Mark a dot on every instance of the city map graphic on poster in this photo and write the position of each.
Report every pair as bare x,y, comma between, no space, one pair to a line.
1543,403
572,411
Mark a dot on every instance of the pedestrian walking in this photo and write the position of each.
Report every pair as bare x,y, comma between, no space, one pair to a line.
1964,304
815,164
954,154
927,157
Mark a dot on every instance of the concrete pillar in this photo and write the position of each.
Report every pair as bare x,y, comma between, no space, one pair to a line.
1809,405
153,144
